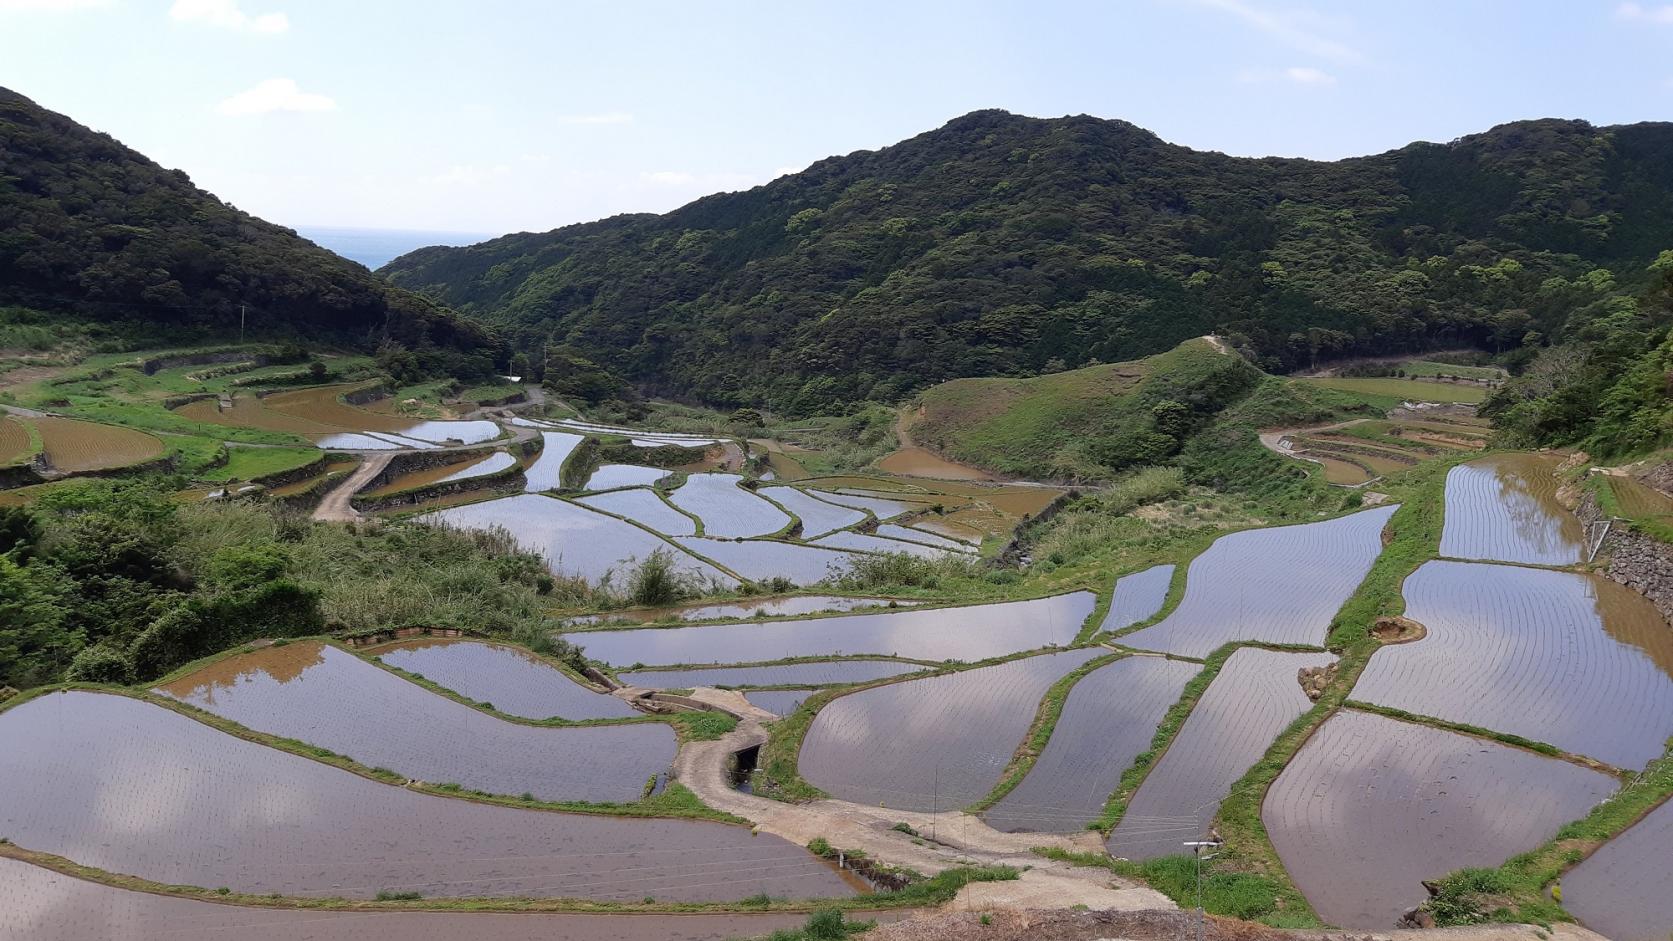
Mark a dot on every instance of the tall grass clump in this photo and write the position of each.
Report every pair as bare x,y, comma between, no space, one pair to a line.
655,581
894,570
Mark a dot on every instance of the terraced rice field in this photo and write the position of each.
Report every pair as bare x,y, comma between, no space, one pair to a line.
882,507
818,673
546,471
973,632
320,413
1639,500
945,526
645,508
1504,509
1137,597
518,683
922,462
1415,390
1371,807
782,606
929,744
779,702
75,446
42,905
14,441
1623,890
910,534
861,542
817,516
611,476
132,787
727,510
1575,661
763,559
446,473
333,699
573,539
1109,718
1337,470
1254,697
1279,585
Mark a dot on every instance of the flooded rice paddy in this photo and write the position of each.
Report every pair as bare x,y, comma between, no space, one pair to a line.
779,702
1254,697
973,632
517,682
445,473
1370,807
42,905
611,476
1622,890
930,744
910,534
74,446
922,462
763,559
726,509
882,507
1505,509
574,539
819,673
817,516
645,508
861,542
1109,718
131,787
782,606
1575,661
1279,585
546,471
333,699
1137,597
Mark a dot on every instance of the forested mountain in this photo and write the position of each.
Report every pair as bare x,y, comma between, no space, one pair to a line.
91,228
1007,245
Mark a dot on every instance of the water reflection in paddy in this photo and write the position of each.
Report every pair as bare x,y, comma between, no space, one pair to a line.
546,473
611,476
1576,661
727,510
818,673
517,682
764,559
934,743
817,516
575,540
1505,508
1254,697
1623,889
1137,597
131,787
42,905
1280,585
1370,807
893,531
643,507
330,698
861,542
1109,718
779,702
973,632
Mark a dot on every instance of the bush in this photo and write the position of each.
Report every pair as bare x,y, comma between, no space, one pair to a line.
655,581
101,664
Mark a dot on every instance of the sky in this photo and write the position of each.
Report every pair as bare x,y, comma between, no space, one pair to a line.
498,116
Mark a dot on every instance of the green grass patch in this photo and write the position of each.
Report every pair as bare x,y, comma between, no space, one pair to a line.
1391,391
1225,891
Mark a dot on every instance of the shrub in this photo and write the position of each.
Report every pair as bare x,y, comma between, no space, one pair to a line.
101,664
655,581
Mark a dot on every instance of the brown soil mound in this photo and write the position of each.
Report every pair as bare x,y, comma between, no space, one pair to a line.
1398,630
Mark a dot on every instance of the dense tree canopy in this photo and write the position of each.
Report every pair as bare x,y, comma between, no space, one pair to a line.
999,245
91,227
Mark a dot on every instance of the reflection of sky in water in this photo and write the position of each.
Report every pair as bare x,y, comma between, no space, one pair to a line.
645,508
1505,509
492,464
609,476
973,632
726,509
546,473
1138,596
761,559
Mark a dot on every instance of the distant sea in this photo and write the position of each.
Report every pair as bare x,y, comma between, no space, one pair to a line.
375,248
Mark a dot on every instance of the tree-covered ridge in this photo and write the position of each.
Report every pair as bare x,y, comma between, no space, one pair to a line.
90,227
1004,245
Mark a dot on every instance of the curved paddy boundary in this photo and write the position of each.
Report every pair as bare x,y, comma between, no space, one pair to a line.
925,668
674,802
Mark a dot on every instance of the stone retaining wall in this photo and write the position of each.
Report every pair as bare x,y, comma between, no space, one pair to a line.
1635,560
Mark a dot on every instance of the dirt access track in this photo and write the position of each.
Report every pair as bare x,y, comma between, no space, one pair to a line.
1066,925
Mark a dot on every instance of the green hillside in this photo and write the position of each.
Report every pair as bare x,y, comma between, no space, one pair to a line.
1007,245
96,232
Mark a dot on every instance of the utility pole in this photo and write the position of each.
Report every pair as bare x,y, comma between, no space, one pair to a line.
1197,847
240,324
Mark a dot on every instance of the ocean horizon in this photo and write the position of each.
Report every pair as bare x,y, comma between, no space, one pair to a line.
375,248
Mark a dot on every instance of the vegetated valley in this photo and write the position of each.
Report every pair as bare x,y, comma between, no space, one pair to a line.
977,521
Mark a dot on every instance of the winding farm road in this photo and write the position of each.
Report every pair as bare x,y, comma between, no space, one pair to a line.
336,506
958,838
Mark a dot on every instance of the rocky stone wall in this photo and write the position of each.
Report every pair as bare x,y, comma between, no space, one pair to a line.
1635,560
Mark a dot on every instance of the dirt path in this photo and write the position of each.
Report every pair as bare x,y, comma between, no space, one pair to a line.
948,839
1273,440
335,507
1060,925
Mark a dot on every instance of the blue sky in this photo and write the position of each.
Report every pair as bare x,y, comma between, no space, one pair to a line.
502,115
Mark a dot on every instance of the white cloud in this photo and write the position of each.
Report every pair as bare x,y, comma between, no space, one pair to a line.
49,6
670,178
608,117
1633,11
275,94
226,15
1287,29
1297,74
